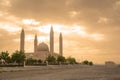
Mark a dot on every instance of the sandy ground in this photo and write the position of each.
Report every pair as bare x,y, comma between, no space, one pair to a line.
68,72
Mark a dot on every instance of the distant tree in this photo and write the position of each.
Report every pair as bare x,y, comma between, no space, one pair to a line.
51,59
5,57
86,62
90,63
61,59
18,57
71,60
0,57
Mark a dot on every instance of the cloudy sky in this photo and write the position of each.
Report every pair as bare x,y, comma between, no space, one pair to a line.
91,28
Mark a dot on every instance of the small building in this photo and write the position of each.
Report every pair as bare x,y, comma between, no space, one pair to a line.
110,63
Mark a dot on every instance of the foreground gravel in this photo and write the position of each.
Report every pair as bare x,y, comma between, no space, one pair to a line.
66,72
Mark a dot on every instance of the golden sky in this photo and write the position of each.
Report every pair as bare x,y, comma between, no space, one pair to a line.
91,28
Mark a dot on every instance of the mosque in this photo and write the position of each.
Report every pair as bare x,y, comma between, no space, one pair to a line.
42,51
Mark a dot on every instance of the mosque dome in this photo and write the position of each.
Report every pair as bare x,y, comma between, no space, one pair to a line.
42,47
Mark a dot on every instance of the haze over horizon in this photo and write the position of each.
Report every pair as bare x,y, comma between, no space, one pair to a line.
90,28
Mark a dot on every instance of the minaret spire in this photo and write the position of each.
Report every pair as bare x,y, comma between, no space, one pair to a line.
51,41
22,40
35,44
60,45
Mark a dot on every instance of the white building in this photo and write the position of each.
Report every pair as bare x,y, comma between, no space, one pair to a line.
41,51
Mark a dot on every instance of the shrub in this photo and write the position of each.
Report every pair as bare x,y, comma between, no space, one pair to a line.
71,60
86,62
61,59
39,61
51,59
31,61
90,63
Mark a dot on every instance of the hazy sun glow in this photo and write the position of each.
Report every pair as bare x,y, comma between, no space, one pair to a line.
74,29
29,38
46,28
63,28
30,22
9,27
43,38
97,37
79,30
73,14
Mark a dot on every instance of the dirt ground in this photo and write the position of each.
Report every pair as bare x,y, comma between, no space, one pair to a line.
68,72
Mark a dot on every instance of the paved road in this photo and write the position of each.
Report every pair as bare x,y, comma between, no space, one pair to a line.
63,73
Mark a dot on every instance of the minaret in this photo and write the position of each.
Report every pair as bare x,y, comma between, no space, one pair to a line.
51,41
35,44
60,45
22,40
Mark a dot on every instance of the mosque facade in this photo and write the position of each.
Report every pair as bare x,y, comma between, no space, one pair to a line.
41,50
